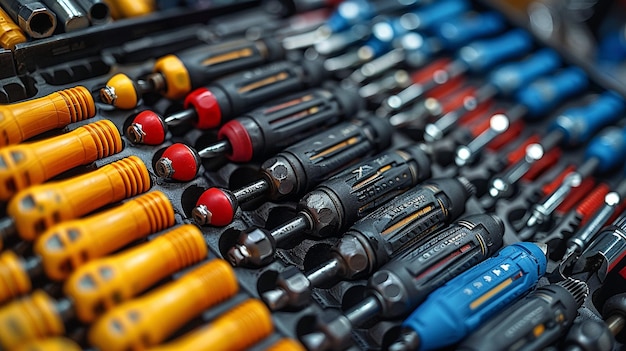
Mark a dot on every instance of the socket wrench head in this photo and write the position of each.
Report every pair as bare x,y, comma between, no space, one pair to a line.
69,14
37,20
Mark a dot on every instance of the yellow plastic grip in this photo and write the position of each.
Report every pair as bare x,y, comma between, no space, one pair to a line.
50,344
24,165
237,329
24,120
148,320
10,33
176,76
68,245
286,344
37,208
131,8
104,283
30,318
121,92
14,280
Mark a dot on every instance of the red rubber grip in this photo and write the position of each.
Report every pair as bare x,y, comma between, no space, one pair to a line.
592,202
576,195
241,144
206,106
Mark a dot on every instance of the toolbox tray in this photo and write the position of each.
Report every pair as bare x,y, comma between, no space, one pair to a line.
90,57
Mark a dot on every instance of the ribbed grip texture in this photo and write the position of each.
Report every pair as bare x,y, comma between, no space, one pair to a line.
134,175
593,202
30,318
158,209
251,319
187,246
218,280
470,189
80,103
106,138
14,281
577,288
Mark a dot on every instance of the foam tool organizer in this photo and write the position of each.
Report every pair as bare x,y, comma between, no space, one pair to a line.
321,175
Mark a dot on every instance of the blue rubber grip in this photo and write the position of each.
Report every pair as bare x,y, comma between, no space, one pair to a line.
456,309
609,147
484,54
543,95
579,124
384,34
430,15
456,32
349,13
510,77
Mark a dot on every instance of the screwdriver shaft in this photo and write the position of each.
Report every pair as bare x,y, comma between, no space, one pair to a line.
219,148
299,224
325,273
364,311
180,117
615,324
252,191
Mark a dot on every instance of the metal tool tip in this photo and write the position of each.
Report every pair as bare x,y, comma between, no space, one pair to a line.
433,106
365,53
432,133
533,221
534,152
217,149
314,341
164,168
275,299
612,199
394,102
107,95
238,255
499,122
463,155
409,340
201,215
135,133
